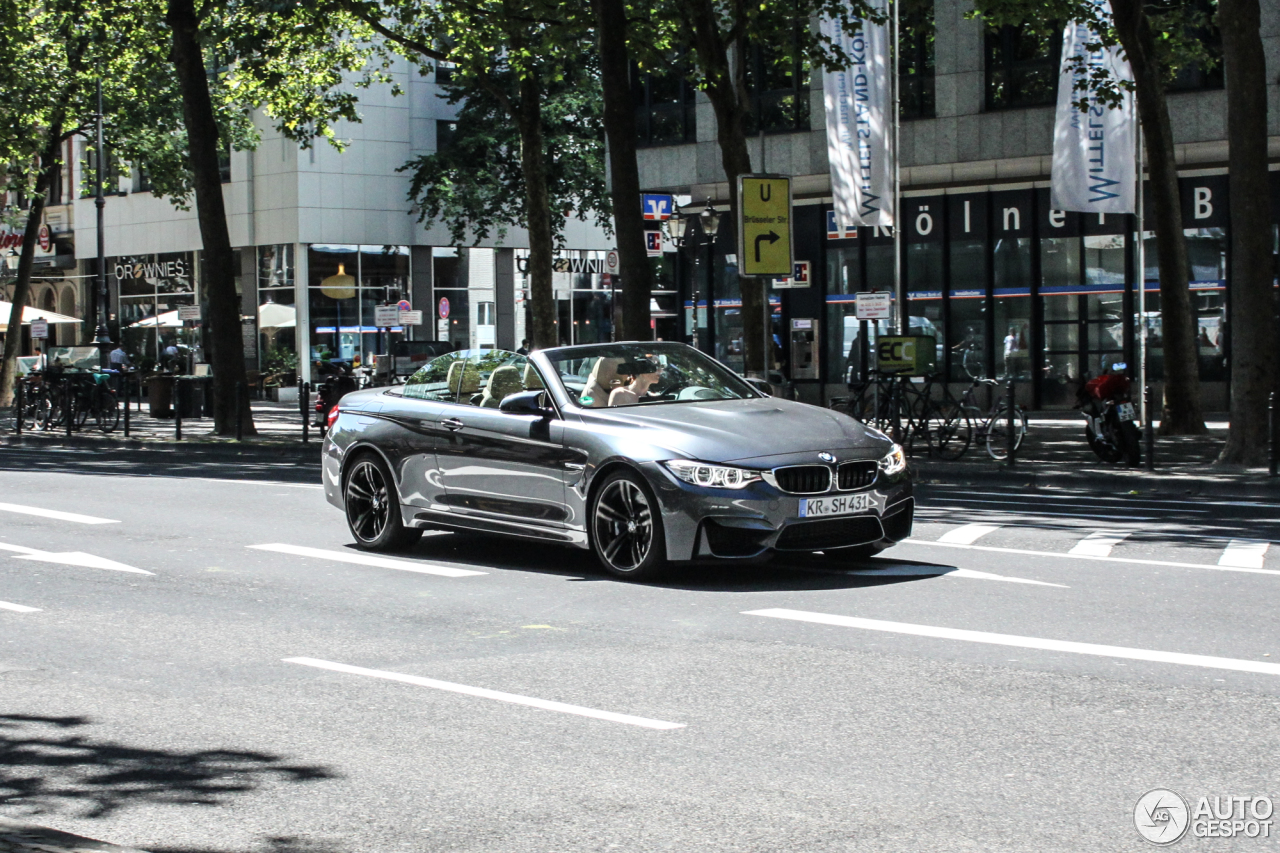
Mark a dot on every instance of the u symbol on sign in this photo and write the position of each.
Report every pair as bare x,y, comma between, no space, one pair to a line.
766,192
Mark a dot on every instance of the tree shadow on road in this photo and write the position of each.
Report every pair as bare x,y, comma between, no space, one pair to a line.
48,763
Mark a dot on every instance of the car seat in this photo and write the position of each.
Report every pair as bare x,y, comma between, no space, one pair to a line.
463,379
603,379
502,382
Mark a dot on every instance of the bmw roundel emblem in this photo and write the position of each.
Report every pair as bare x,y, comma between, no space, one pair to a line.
826,457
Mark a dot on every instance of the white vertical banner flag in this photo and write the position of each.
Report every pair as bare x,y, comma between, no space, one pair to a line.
859,111
1093,150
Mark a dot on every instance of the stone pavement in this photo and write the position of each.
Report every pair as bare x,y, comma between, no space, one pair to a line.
16,837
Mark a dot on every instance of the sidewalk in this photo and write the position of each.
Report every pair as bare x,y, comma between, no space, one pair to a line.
1055,455
16,837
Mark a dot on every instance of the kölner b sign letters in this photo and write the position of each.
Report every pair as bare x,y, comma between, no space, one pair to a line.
764,226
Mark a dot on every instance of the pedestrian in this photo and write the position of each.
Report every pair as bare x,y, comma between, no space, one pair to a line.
524,347
119,358
42,361
171,357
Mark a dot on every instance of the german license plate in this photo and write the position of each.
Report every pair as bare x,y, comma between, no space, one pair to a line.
1126,412
841,505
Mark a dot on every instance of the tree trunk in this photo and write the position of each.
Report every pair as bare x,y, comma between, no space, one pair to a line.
50,161
726,93
1182,412
226,345
620,129
533,162
1253,324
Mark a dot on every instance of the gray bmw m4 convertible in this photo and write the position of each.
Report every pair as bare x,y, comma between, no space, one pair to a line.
650,454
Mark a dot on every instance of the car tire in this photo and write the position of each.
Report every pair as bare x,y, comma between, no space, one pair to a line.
372,507
626,528
857,553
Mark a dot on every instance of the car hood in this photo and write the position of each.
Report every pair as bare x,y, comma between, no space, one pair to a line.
742,430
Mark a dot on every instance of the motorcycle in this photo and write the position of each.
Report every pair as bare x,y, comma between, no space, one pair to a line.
1111,420
336,381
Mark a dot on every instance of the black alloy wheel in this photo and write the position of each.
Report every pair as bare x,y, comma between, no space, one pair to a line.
373,510
626,529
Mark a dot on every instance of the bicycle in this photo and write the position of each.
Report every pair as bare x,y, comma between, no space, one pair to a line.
993,426
910,412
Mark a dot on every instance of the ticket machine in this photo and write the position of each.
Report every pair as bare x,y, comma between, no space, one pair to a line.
805,349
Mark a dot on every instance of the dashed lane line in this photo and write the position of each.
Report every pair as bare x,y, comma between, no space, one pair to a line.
1027,510
1244,554
484,693
71,558
1133,560
368,560
1098,544
57,515
18,608
1040,643
967,534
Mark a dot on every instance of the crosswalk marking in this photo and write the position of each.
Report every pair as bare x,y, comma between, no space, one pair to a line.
967,534
57,515
1098,544
18,608
1244,554
368,560
484,693
1021,642
1132,560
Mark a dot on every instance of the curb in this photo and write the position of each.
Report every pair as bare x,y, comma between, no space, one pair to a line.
295,452
1167,482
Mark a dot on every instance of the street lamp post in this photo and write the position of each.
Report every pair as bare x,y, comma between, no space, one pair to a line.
101,337
677,232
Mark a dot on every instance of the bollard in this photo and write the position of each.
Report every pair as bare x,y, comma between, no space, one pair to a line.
1271,436
177,409
126,375
17,407
69,396
1011,439
240,394
304,403
1150,429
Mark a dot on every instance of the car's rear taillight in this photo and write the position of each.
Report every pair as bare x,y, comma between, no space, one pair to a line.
333,416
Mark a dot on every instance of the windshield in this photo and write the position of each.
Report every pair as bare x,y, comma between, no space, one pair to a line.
636,374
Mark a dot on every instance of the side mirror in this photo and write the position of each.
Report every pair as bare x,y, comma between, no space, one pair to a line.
524,403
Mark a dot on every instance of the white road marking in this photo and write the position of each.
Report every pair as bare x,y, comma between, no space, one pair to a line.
18,608
71,558
1087,557
369,560
483,693
1244,553
1022,642
1028,510
1025,503
56,514
943,571
1098,544
253,482
967,534
1127,500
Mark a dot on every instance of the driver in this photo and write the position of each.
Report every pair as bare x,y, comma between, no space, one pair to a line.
644,373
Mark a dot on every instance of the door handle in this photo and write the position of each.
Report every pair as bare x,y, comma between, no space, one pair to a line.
451,424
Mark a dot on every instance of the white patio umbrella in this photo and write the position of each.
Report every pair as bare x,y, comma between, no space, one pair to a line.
272,315
29,314
166,320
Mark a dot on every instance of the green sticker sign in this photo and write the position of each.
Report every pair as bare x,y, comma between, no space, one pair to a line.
914,355
764,226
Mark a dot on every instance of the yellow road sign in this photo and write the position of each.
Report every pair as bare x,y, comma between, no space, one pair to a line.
764,225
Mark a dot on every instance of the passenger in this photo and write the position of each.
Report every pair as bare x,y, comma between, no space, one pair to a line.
643,373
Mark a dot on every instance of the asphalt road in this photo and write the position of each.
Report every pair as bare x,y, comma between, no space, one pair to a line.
1013,678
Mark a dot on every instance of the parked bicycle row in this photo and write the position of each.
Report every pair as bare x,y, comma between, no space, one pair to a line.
68,398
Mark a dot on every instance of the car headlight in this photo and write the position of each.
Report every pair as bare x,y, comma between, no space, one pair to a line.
894,461
711,476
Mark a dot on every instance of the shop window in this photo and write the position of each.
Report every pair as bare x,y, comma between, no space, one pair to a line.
916,60
777,91
664,104
1022,66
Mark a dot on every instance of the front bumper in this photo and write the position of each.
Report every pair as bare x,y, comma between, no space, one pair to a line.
745,523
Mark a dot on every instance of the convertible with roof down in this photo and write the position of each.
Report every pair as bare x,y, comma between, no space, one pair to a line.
649,453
